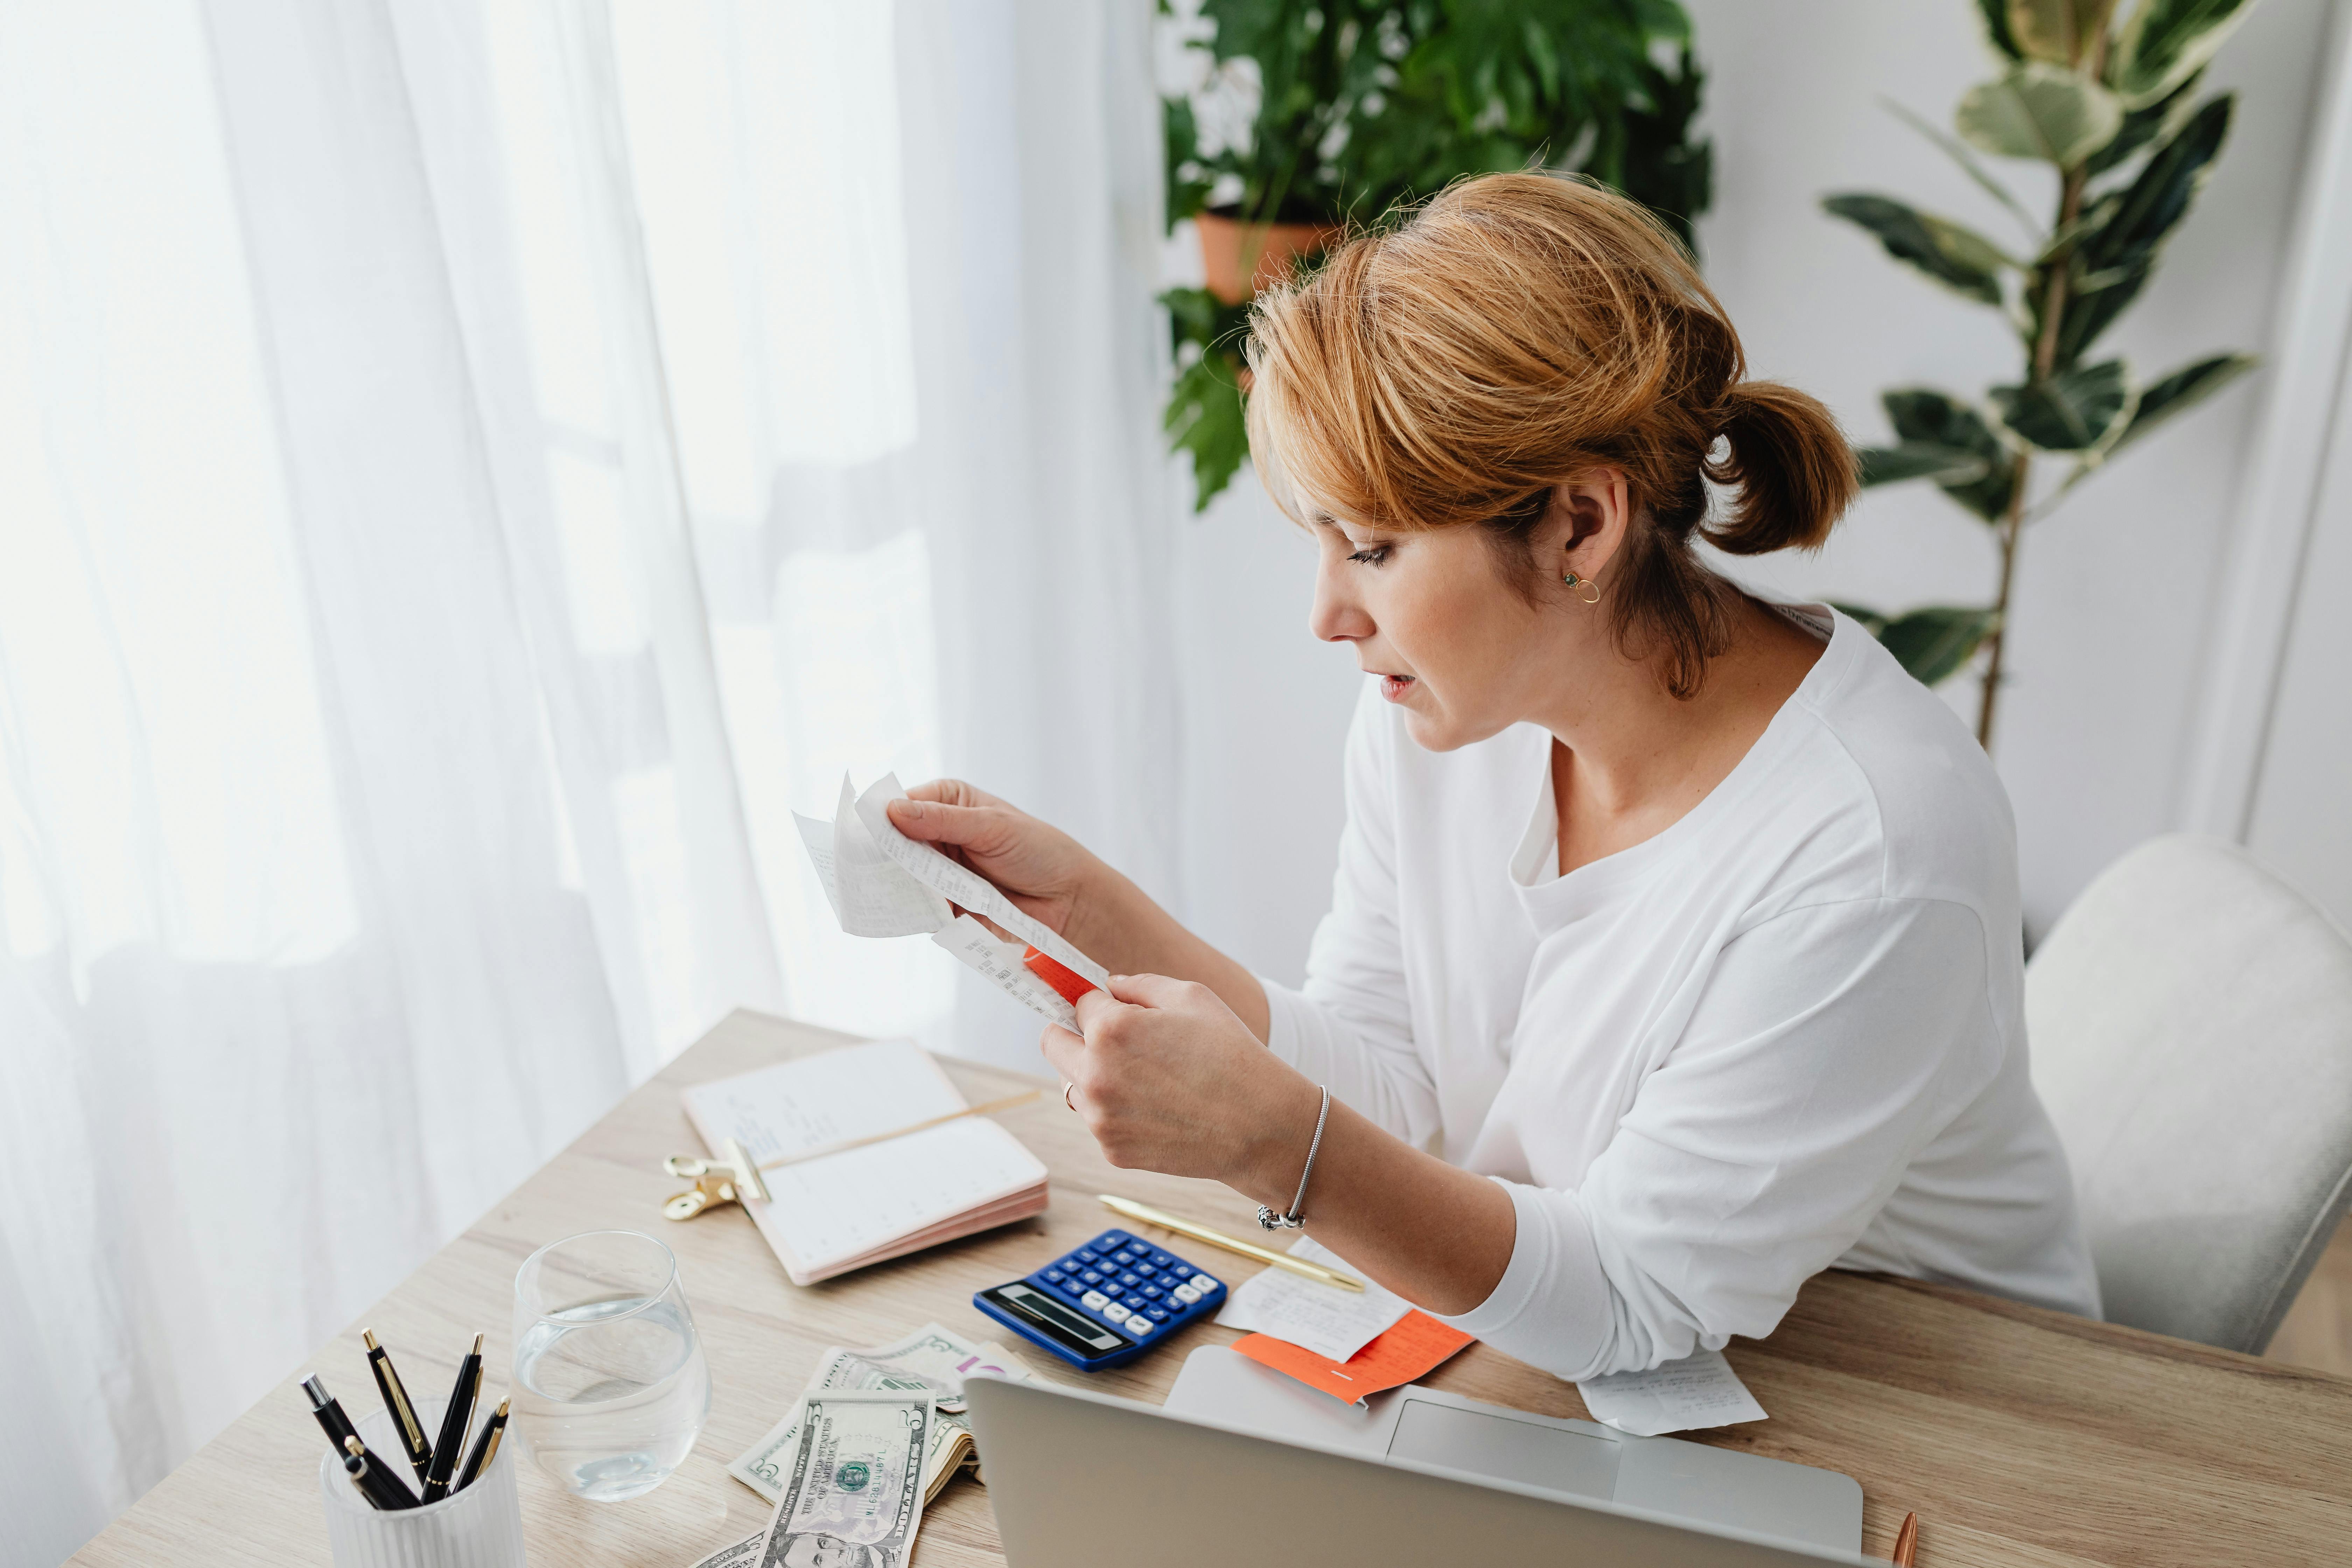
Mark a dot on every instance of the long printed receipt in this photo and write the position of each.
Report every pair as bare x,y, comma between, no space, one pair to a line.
882,883
1699,1390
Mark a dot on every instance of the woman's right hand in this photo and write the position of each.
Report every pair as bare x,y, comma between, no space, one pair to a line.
1044,870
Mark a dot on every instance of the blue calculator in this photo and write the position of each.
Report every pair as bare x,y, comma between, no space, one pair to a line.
1105,1304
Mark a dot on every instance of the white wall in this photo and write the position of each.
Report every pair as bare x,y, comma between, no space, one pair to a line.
2116,591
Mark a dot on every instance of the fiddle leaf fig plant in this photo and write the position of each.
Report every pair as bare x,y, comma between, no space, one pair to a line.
2114,109
1326,111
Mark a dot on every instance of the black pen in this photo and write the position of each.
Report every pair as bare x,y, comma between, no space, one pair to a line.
378,1485
485,1447
404,1423
454,1422
332,1419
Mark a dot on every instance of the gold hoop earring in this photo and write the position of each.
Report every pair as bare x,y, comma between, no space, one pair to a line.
1573,582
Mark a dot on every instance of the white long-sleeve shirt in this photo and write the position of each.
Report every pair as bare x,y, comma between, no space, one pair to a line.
1785,1033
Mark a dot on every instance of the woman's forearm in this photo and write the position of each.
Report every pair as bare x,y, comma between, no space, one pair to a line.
1433,1233
1117,925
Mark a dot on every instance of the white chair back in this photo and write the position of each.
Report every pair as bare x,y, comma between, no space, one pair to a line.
2191,1023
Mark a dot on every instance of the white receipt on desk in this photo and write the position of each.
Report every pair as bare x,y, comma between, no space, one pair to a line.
1318,1316
1697,1391
882,883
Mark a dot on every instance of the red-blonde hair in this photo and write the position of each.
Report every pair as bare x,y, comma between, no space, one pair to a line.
1517,333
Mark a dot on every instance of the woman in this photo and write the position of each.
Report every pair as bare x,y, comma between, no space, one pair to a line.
1682,926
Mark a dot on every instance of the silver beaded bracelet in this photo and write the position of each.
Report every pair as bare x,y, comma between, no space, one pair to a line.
1294,1219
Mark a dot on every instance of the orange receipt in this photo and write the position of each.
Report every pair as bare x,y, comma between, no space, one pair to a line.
1416,1344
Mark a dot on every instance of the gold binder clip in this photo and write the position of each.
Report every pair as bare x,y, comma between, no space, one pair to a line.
730,1178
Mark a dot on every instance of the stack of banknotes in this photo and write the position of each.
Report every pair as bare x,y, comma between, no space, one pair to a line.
874,1438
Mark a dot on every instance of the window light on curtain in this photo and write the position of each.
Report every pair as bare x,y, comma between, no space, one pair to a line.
467,473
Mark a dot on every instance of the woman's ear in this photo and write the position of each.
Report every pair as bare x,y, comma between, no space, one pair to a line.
1590,515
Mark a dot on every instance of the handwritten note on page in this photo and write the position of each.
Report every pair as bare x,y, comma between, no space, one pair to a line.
1332,1322
1697,1391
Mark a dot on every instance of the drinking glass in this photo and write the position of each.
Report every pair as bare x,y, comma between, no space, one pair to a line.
610,1387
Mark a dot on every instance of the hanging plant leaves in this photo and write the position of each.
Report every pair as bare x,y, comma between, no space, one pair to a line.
1923,415
2166,42
1937,641
2039,110
1919,460
1952,253
2181,391
1205,417
2070,413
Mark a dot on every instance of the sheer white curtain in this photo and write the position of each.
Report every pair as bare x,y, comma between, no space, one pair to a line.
466,472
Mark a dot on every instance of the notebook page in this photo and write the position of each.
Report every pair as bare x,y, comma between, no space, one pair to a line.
848,1204
797,1106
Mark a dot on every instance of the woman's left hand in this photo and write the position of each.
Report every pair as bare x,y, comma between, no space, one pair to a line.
1169,1080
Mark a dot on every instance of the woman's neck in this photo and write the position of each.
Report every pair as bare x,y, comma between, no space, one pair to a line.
1629,760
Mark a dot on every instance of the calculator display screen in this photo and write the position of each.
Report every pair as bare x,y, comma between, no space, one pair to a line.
1084,1337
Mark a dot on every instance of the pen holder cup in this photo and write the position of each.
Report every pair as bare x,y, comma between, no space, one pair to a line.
480,1527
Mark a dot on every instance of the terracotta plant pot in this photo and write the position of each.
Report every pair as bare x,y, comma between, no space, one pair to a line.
1232,250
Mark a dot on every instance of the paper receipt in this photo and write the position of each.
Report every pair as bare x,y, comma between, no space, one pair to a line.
1332,1322
882,883
1697,1391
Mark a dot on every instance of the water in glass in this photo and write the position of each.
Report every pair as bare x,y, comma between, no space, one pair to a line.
611,1388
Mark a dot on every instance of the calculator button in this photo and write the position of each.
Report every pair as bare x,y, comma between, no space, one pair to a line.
1052,1276
1202,1283
1086,1255
1186,1294
1157,1314
1094,1300
1133,1303
1140,1325
1151,1293
1115,1312
1160,1260
1130,1279
1090,1278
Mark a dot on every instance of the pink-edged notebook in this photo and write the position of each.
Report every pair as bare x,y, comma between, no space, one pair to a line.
840,1212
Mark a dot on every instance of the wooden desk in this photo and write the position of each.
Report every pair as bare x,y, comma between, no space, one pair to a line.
2022,1436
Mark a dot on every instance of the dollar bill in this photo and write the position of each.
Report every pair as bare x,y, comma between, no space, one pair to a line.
930,1358
742,1554
853,1495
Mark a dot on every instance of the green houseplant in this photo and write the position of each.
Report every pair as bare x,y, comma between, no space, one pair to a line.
2112,106
1362,105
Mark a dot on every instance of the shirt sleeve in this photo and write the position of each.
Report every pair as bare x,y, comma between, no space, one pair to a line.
1351,1027
1830,1045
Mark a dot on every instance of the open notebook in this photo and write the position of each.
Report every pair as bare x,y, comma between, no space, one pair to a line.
844,1211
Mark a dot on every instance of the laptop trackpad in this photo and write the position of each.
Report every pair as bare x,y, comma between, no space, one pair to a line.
1508,1450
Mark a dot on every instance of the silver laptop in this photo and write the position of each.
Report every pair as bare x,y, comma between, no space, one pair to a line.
1236,1471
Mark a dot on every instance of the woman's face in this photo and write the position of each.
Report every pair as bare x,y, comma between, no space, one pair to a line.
1454,643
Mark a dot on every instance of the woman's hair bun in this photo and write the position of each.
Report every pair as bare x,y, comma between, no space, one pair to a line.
1791,467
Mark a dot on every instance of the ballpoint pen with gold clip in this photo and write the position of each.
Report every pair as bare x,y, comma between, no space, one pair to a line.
486,1448
404,1423
451,1444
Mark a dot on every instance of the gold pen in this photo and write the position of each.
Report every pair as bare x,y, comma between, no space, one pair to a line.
1150,1215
